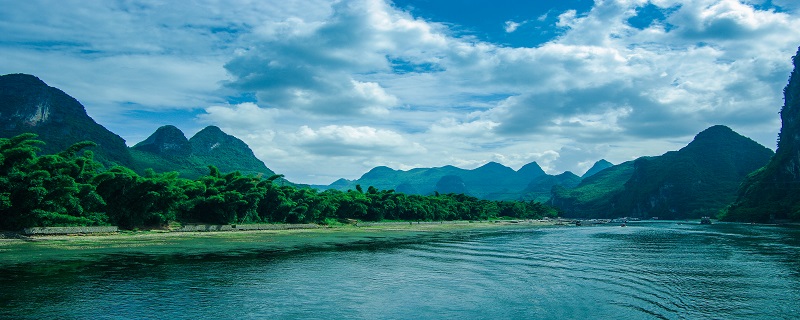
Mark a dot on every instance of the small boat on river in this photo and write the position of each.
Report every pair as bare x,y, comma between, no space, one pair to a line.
705,220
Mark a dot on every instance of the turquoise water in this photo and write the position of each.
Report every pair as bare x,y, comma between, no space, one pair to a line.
661,270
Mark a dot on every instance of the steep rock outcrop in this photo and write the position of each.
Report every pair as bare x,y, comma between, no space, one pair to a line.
773,192
27,104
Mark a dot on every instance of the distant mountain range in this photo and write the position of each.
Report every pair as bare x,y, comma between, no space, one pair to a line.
27,104
699,179
492,181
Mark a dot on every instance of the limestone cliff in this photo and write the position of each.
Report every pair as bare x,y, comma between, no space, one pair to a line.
772,193
27,104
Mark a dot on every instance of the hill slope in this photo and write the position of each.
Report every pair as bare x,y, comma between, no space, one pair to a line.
597,167
491,181
772,192
595,196
27,104
699,179
167,149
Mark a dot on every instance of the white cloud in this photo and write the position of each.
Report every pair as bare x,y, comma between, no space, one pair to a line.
369,84
567,18
245,115
317,69
449,127
512,26
346,140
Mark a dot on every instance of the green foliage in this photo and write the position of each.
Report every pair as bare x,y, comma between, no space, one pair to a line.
168,150
595,196
773,192
134,201
698,180
491,181
69,188
230,198
61,120
49,190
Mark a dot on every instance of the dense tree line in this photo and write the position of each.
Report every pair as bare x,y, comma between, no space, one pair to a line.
70,188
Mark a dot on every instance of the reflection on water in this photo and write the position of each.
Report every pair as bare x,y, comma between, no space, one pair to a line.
662,270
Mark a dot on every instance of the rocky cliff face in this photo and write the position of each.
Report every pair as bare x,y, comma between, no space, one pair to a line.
27,104
789,136
773,192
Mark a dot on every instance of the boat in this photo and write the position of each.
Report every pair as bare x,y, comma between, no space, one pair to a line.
705,220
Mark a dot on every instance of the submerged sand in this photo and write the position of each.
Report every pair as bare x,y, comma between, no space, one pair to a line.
156,243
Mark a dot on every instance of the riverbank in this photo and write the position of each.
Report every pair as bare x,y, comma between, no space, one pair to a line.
22,250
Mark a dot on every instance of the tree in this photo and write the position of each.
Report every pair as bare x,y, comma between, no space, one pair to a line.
46,190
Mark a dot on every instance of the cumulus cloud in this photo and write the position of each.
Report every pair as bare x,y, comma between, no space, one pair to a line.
370,84
602,82
346,140
316,67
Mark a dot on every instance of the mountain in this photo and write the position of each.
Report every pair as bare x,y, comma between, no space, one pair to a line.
492,181
597,167
596,195
540,188
167,149
167,141
697,180
771,193
27,104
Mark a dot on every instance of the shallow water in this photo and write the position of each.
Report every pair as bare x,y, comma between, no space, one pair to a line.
660,270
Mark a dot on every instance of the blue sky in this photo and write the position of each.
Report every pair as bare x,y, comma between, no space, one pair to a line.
328,89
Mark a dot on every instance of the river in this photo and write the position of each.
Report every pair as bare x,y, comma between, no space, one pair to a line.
647,270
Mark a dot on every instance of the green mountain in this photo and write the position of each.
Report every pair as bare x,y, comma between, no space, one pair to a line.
771,193
597,167
596,195
167,141
27,104
540,188
227,152
167,149
697,180
491,181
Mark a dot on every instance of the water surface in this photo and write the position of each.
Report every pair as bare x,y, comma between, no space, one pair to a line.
661,270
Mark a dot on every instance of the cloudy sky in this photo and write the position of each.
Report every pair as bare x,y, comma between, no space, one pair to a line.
323,89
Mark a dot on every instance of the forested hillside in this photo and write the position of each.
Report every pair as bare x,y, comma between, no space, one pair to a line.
28,105
773,192
491,181
168,150
697,180
595,196
70,188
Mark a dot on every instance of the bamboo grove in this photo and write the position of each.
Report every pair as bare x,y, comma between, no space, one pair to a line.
70,188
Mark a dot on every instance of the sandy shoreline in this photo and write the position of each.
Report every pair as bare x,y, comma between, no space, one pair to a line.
54,248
